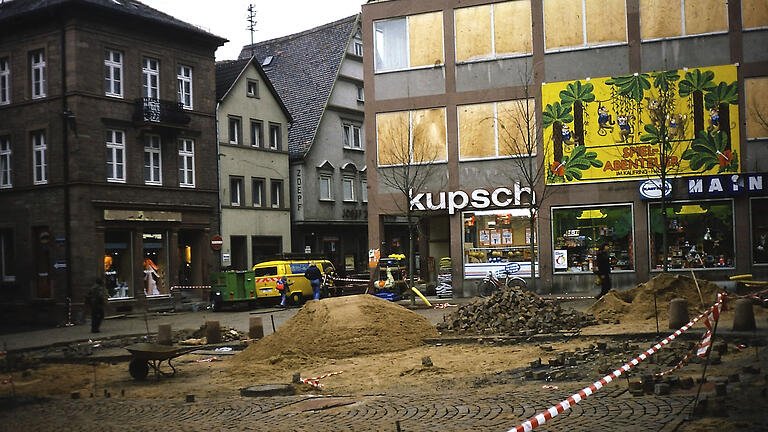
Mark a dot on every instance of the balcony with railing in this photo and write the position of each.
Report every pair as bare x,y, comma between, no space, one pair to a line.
160,111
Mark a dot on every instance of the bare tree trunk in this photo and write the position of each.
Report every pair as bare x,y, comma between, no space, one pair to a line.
698,112
557,138
578,122
532,223
725,123
411,258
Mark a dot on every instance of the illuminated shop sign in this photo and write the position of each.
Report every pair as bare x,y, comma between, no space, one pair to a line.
479,199
727,185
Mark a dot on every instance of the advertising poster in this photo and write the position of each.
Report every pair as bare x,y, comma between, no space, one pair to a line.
560,259
495,237
484,237
507,237
613,128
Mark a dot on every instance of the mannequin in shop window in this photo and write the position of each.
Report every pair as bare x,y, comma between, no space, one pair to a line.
110,276
150,277
761,248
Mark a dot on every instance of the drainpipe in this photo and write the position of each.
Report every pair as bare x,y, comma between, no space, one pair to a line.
218,180
67,117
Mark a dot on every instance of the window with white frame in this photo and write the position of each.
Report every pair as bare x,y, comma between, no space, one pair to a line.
5,162
257,133
352,136
150,72
348,185
364,190
276,193
325,187
5,81
274,136
37,64
358,47
186,162
39,158
234,130
258,185
115,156
152,160
360,94
393,42
7,260
184,80
252,88
113,73
235,191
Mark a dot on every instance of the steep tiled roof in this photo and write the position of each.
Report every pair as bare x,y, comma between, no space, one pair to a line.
17,8
303,70
227,73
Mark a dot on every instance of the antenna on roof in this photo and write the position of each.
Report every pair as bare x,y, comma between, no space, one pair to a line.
251,23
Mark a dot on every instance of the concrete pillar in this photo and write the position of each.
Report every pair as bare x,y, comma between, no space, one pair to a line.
678,313
743,315
213,332
255,328
164,334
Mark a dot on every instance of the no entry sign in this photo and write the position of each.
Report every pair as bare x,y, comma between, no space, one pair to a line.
216,242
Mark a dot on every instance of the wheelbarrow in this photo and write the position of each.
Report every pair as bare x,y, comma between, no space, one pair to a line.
146,355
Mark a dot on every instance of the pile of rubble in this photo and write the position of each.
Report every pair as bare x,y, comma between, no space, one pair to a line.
515,312
197,337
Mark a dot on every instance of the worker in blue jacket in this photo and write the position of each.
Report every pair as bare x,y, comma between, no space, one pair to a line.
315,279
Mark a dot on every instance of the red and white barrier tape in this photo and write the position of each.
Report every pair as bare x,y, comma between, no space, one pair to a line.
699,348
207,360
573,297
8,380
181,287
266,279
553,411
350,280
315,382
444,305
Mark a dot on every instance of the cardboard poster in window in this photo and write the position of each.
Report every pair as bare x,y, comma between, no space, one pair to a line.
495,237
560,259
506,237
484,237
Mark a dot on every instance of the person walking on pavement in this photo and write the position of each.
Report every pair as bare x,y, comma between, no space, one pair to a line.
604,269
96,299
315,279
282,286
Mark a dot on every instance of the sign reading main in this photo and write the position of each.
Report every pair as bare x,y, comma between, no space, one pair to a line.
501,197
728,185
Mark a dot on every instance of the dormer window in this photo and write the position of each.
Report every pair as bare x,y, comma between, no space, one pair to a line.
267,61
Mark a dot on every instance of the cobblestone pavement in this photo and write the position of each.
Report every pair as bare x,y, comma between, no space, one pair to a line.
498,408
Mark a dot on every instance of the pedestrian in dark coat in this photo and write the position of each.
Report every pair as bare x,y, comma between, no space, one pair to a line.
604,269
96,299
315,279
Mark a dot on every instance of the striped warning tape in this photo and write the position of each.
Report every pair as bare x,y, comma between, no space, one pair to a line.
266,279
182,287
444,305
573,297
699,348
553,411
315,381
337,279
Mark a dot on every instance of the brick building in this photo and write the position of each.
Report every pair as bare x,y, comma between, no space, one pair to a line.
107,131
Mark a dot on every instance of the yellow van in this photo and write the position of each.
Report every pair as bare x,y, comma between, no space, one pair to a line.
267,273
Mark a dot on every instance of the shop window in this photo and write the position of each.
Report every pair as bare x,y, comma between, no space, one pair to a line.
495,238
408,42
497,129
756,91
492,31
699,235
578,233
759,206
754,14
155,264
118,254
411,137
662,19
583,23
7,260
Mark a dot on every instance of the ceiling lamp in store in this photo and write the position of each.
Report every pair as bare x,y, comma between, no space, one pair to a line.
592,214
690,209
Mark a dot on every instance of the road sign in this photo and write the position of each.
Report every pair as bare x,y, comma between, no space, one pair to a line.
60,265
216,242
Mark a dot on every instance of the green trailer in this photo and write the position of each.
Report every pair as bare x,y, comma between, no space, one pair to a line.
231,288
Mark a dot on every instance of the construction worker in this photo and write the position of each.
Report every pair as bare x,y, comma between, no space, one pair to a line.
282,286
315,279
96,299
603,269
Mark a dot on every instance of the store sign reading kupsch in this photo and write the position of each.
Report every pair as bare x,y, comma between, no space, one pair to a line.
477,199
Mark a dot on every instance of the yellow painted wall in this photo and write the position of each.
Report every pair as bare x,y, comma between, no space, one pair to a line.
426,39
756,90
754,13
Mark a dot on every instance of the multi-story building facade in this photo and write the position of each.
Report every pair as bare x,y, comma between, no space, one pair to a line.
318,73
107,125
253,165
449,72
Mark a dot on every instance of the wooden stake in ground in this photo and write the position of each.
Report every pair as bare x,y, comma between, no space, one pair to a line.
701,299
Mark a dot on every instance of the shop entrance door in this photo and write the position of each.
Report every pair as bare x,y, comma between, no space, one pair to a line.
42,238
238,245
190,267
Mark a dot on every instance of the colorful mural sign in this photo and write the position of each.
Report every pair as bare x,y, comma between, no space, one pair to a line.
613,128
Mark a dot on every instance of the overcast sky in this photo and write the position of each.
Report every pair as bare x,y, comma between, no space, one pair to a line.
275,18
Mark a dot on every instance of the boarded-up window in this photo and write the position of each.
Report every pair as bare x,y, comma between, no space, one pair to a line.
666,18
578,23
473,33
426,39
428,135
756,90
705,16
517,127
754,13
393,137
512,27
477,131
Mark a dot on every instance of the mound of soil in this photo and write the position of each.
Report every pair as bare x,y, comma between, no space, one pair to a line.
342,327
636,304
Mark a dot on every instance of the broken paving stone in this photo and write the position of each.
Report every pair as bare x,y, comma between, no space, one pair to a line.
661,389
426,361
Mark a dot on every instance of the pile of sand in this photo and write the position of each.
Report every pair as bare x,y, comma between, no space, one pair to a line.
342,327
637,303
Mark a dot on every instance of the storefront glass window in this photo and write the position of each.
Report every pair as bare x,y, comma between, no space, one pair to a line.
494,239
759,231
155,264
118,253
578,233
699,234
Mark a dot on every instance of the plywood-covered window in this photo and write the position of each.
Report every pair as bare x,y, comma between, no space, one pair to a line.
411,137
408,42
491,31
497,129
756,90
582,23
754,14
664,18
